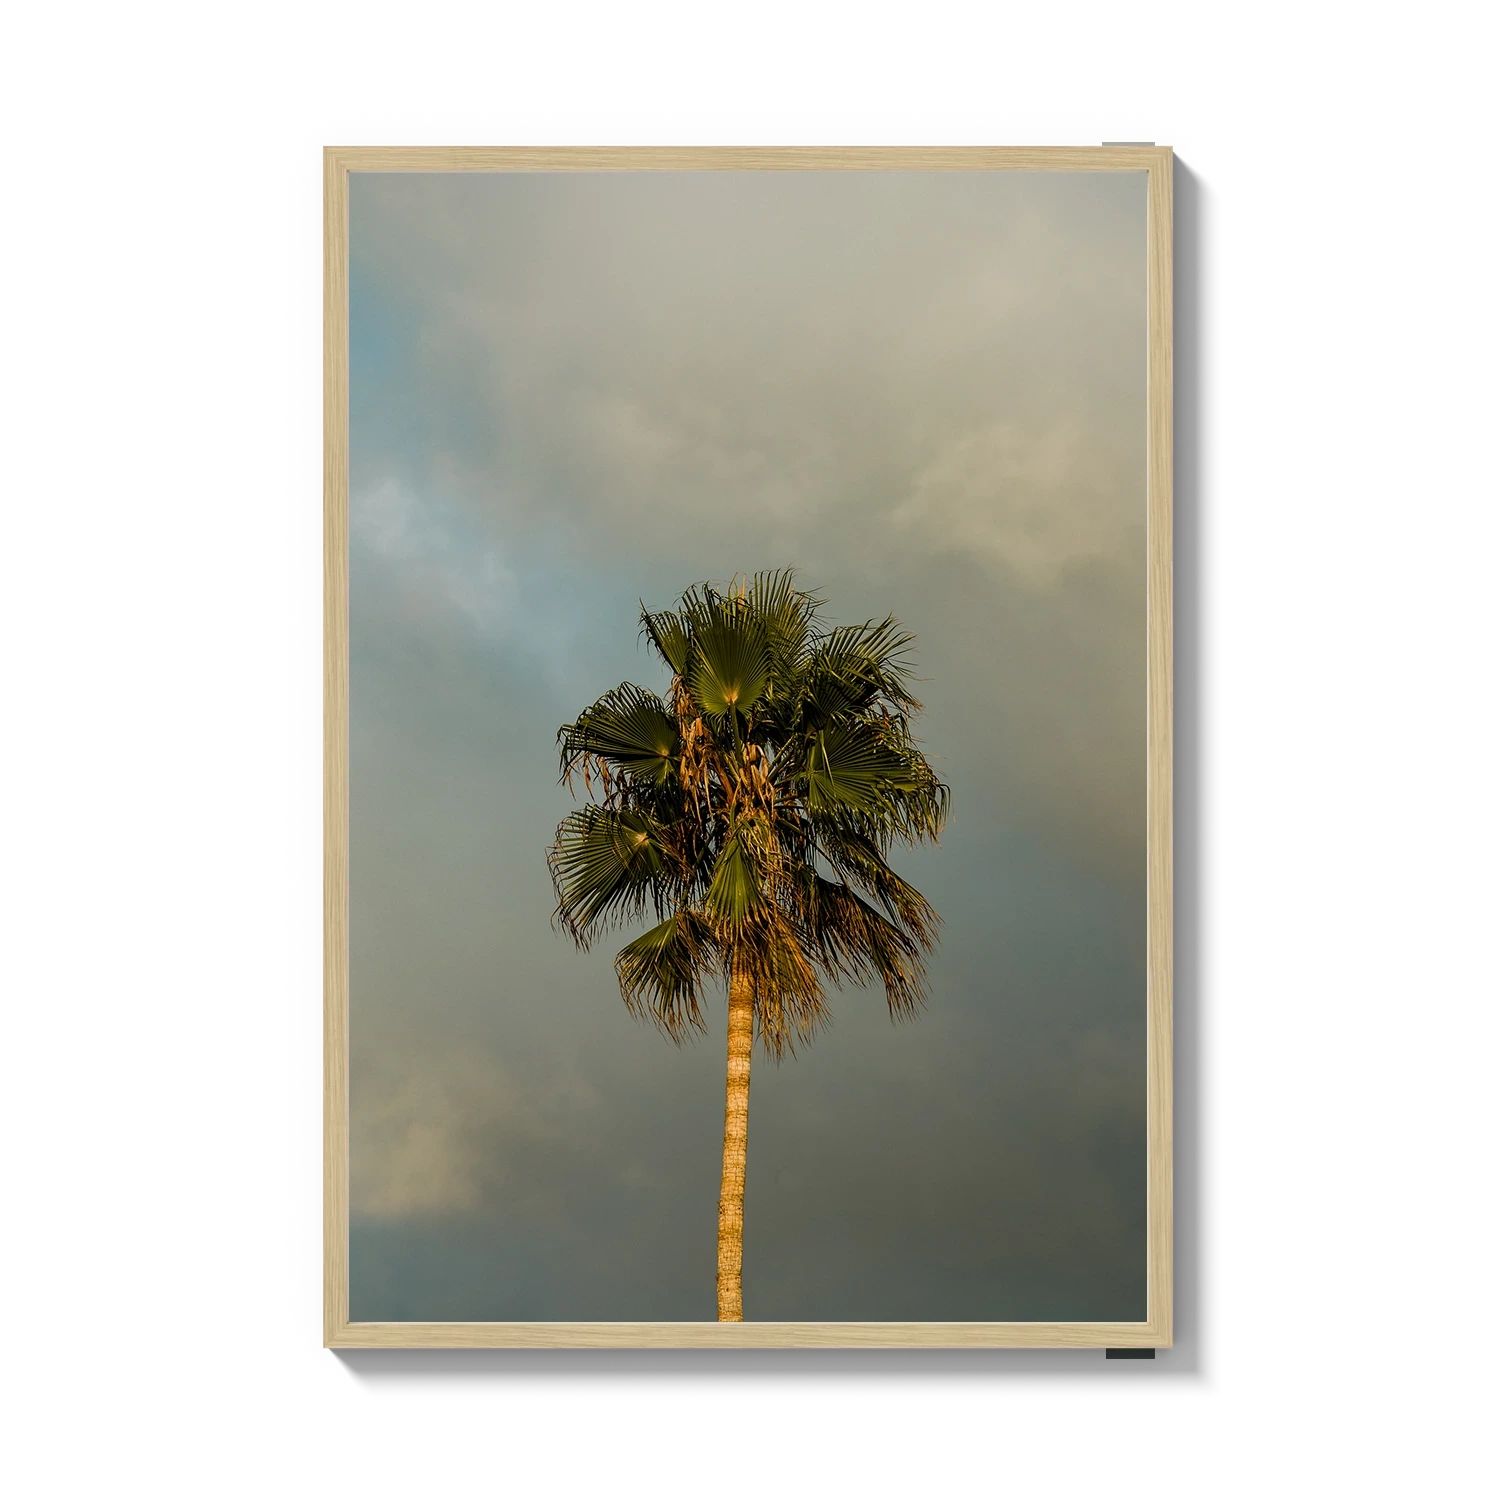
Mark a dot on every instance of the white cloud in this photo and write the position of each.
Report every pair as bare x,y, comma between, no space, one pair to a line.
436,554
906,388
1021,494
433,1132
417,1133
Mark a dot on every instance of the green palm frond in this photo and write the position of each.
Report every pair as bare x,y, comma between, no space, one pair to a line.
669,636
856,943
780,744
860,669
660,973
628,727
604,864
736,886
849,766
783,970
858,862
787,614
730,663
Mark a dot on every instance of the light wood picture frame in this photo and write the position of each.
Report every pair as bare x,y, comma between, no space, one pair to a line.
1155,1330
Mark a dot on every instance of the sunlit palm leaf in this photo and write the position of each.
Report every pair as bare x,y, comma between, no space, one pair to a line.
857,943
780,747
668,633
603,866
730,663
857,669
661,970
849,766
735,887
858,861
771,950
628,727
787,614
913,814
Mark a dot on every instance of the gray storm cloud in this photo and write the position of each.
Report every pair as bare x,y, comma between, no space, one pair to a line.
571,392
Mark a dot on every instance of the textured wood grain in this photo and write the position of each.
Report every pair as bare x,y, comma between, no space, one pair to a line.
747,158
745,1336
1156,1330
1159,751
335,748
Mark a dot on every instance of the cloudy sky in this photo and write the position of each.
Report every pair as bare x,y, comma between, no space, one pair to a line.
574,392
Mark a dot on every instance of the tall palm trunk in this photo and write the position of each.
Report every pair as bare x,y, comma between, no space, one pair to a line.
736,1133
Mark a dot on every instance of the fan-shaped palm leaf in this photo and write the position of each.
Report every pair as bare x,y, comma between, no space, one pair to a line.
787,614
736,885
730,662
669,635
628,727
857,943
849,766
660,972
604,864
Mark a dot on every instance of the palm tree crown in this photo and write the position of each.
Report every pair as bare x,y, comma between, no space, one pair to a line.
752,810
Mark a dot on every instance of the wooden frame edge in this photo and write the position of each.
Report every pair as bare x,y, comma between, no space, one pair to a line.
338,1331
751,1335
1159,745
749,158
335,747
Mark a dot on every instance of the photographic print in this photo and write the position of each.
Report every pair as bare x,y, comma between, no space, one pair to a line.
749,747
729,686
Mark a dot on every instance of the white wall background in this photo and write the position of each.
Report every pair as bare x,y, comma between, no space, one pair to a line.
1338,995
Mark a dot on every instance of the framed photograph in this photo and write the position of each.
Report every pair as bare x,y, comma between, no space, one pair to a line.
748,660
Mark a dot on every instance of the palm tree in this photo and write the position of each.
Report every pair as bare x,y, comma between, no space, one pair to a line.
752,809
